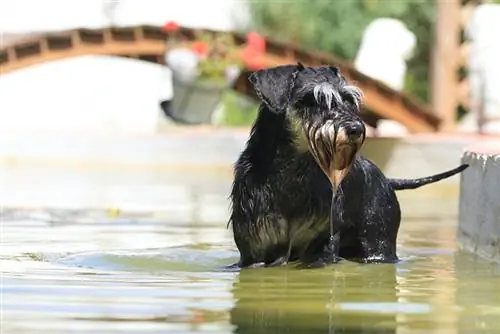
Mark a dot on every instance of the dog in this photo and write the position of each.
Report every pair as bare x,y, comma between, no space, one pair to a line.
303,149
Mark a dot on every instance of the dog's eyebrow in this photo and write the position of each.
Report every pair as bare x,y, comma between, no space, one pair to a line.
328,92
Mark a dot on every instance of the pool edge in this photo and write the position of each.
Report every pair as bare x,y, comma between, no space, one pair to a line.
479,203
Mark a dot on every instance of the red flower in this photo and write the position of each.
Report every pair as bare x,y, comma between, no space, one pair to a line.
256,42
253,59
200,47
170,26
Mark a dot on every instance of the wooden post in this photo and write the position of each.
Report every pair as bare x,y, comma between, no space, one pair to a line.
445,59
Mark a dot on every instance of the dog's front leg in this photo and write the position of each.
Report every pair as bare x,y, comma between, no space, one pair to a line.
264,243
322,251
281,261
331,249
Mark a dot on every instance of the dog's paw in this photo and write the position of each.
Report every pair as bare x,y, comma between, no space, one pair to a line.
311,265
334,259
330,258
319,263
281,261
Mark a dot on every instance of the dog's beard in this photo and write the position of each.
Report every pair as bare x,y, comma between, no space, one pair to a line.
331,149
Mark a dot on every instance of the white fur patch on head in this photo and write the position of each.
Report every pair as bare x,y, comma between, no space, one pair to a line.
328,92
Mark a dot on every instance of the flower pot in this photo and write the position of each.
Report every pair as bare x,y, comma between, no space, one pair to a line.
194,101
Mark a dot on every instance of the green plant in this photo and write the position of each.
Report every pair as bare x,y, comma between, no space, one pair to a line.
238,110
216,52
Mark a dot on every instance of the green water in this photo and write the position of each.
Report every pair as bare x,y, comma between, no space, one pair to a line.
103,272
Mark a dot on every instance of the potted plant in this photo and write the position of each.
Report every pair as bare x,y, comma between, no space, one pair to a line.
203,69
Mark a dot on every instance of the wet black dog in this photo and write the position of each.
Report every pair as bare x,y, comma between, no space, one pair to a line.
304,143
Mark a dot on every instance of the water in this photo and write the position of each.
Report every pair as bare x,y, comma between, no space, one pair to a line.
157,270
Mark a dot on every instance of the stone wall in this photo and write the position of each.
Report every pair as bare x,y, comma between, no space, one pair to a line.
479,212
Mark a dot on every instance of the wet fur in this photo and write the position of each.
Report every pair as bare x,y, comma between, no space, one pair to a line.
280,198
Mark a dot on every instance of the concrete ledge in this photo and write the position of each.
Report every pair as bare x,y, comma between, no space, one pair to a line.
479,212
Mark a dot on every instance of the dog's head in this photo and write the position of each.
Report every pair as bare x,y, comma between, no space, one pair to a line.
322,109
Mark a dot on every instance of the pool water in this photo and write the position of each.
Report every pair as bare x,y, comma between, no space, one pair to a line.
109,271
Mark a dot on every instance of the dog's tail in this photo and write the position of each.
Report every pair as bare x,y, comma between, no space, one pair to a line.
403,184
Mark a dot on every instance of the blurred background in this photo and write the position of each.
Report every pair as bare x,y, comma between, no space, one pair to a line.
438,55
120,121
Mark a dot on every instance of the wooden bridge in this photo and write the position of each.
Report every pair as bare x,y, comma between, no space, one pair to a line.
148,43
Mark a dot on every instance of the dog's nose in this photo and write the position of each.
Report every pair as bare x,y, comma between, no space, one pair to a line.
354,131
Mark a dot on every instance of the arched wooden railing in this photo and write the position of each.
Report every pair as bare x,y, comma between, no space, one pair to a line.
149,43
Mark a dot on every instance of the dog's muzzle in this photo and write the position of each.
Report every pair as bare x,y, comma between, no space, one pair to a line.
334,147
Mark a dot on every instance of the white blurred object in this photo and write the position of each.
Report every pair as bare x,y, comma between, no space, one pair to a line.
232,73
183,63
214,14
109,8
484,67
28,16
385,47
97,94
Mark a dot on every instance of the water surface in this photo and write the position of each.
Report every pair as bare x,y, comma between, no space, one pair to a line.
157,270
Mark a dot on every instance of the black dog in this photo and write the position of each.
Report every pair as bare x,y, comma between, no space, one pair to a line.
304,142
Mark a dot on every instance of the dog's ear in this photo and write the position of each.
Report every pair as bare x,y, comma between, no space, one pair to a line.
274,85
335,70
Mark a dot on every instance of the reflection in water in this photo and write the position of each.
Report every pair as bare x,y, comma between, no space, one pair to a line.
316,301
479,303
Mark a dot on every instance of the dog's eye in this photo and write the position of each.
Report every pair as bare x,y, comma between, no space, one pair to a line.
351,100
307,100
